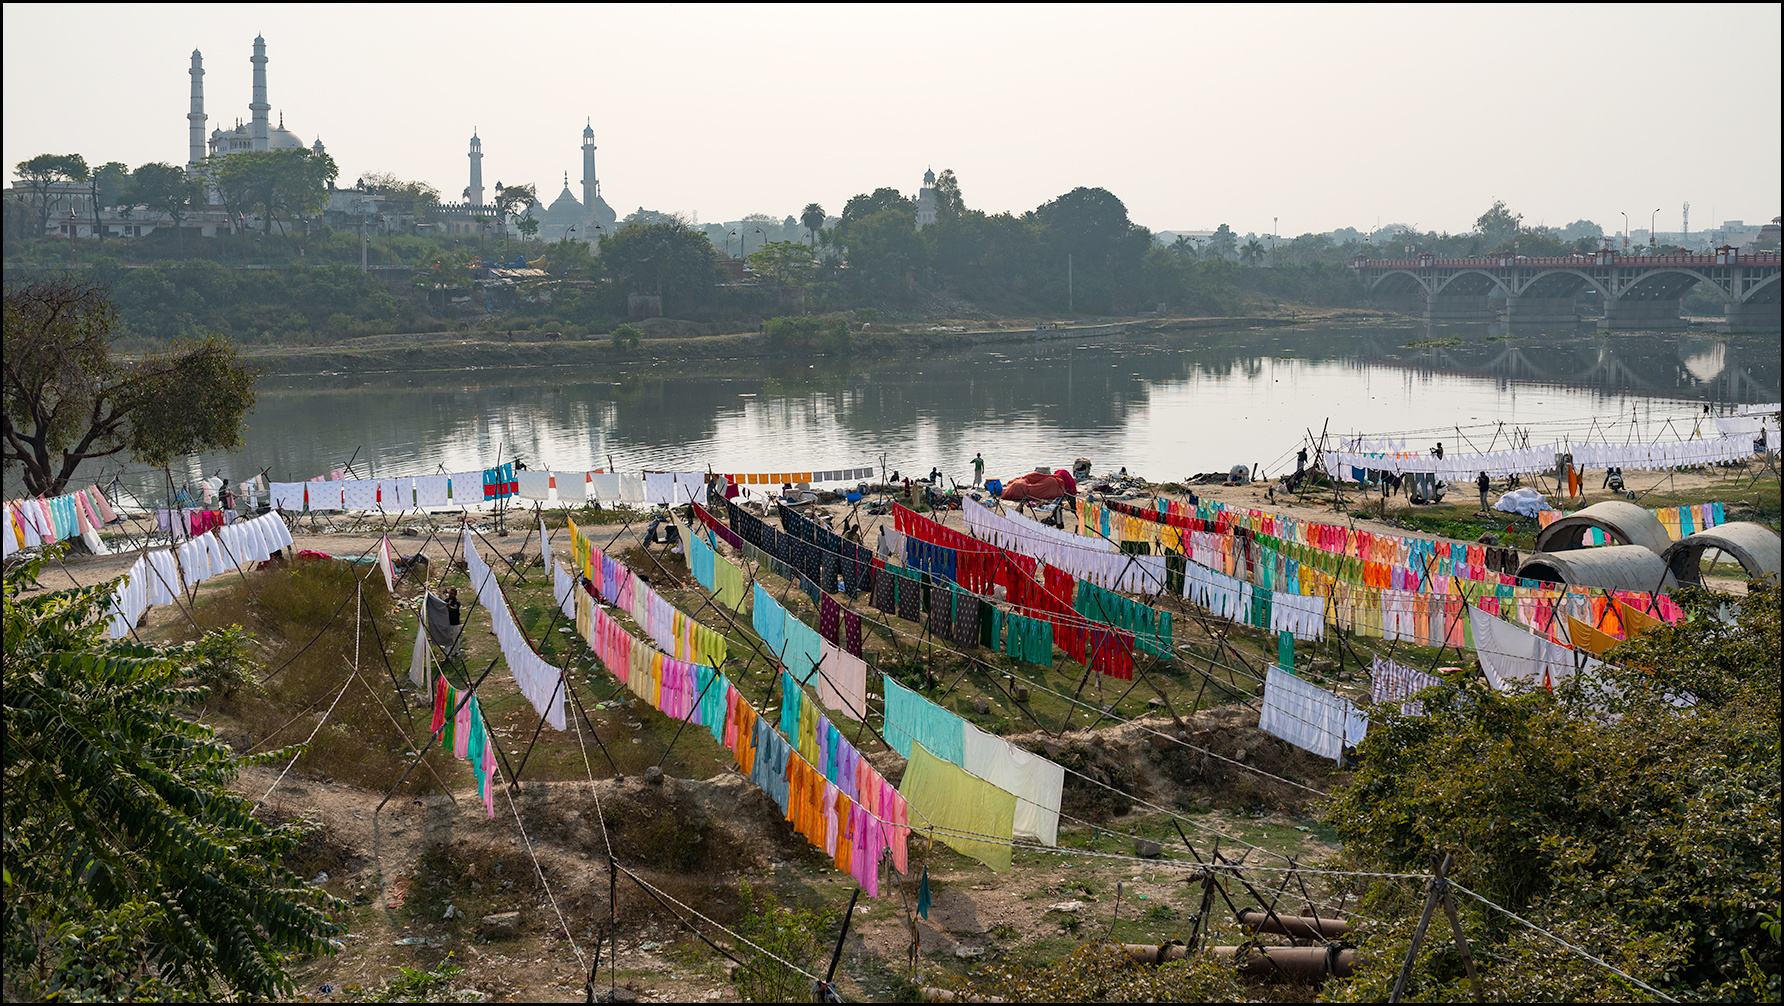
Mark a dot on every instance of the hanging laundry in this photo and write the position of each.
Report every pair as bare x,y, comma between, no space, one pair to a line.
971,815
1308,716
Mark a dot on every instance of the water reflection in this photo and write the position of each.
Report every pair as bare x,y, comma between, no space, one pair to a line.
1164,404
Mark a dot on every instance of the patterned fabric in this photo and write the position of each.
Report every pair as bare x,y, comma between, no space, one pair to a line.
851,632
829,619
966,620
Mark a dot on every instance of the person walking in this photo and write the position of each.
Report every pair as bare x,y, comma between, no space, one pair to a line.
978,470
1482,482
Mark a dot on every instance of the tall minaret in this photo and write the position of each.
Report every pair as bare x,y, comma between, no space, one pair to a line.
259,107
591,189
474,192
195,118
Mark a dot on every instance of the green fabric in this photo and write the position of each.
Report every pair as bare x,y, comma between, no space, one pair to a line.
1285,651
972,816
1151,627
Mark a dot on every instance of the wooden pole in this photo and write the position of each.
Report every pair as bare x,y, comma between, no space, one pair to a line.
1434,892
1449,909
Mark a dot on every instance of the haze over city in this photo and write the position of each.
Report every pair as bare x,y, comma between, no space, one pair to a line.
1296,120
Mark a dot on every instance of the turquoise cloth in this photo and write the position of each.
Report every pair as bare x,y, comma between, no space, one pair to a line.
700,559
769,620
804,648
911,717
790,705
713,688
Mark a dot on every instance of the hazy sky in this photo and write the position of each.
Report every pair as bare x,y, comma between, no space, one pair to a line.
1194,115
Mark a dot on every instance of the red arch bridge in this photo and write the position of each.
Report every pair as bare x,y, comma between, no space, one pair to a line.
1636,291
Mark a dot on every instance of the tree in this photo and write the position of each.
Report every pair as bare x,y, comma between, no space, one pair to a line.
812,219
1498,225
111,181
948,202
644,216
1644,829
783,262
67,399
1252,253
294,181
418,199
131,869
43,174
167,188
1223,243
672,261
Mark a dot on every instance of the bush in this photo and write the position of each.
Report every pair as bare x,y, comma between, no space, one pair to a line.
790,934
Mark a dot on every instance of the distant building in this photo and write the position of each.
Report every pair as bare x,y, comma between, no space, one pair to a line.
585,219
926,200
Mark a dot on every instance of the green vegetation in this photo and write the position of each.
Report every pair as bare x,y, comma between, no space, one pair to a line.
1103,972
68,397
131,869
794,935
1641,830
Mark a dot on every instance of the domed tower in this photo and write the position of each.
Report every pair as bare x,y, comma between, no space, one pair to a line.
195,118
474,191
259,106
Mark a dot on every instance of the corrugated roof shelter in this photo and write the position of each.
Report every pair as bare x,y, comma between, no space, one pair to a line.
1626,522
1754,546
1618,567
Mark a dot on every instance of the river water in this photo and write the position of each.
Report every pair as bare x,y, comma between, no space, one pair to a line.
1162,404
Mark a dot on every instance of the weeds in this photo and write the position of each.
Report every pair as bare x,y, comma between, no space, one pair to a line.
789,934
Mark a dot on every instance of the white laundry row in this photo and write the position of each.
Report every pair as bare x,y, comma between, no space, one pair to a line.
158,577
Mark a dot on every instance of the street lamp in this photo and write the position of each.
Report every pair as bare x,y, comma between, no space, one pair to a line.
1625,230
728,238
1651,224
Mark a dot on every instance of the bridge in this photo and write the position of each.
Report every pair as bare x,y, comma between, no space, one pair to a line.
1636,291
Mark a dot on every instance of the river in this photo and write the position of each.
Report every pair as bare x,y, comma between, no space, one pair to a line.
1162,404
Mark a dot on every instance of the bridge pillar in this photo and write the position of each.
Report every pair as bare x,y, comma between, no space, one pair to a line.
1541,311
1752,316
1459,308
1642,312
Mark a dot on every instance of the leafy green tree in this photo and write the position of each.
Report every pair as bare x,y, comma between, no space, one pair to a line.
783,262
1498,225
866,205
1223,243
644,216
672,261
1253,252
42,174
293,182
812,219
418,199
1638,825
948,202
167,188
68,398
882,248
132,870
513,201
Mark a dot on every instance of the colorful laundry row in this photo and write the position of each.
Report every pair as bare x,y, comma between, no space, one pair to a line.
856,825
158,577
539,681
32,523
1679,521
458,719
839,677
794,478
1394,682
673,630
912,721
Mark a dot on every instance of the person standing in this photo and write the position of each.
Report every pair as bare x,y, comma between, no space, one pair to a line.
1481,482
978,470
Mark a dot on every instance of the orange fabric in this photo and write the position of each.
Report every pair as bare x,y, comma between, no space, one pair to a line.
1637,622
844,854
1587,638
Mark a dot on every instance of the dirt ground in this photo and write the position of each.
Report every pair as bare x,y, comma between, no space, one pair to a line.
423,873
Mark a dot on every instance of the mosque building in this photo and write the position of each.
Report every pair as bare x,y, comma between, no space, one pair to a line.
256,134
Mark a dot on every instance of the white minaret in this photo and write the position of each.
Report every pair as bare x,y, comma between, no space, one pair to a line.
259,107
591,189
195,117
474,192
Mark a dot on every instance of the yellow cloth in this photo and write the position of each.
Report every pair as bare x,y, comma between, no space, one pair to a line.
728,583
1636,622
1587,638
942,795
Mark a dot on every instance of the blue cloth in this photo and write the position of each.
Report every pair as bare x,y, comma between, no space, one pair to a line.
789,713
911,717
713,688
700,560
804,649
769,620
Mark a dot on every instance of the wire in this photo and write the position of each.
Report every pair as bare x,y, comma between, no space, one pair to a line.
1536,928
581,961
307,740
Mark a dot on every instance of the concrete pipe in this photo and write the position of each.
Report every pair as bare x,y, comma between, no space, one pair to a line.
1297,964
1300,926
